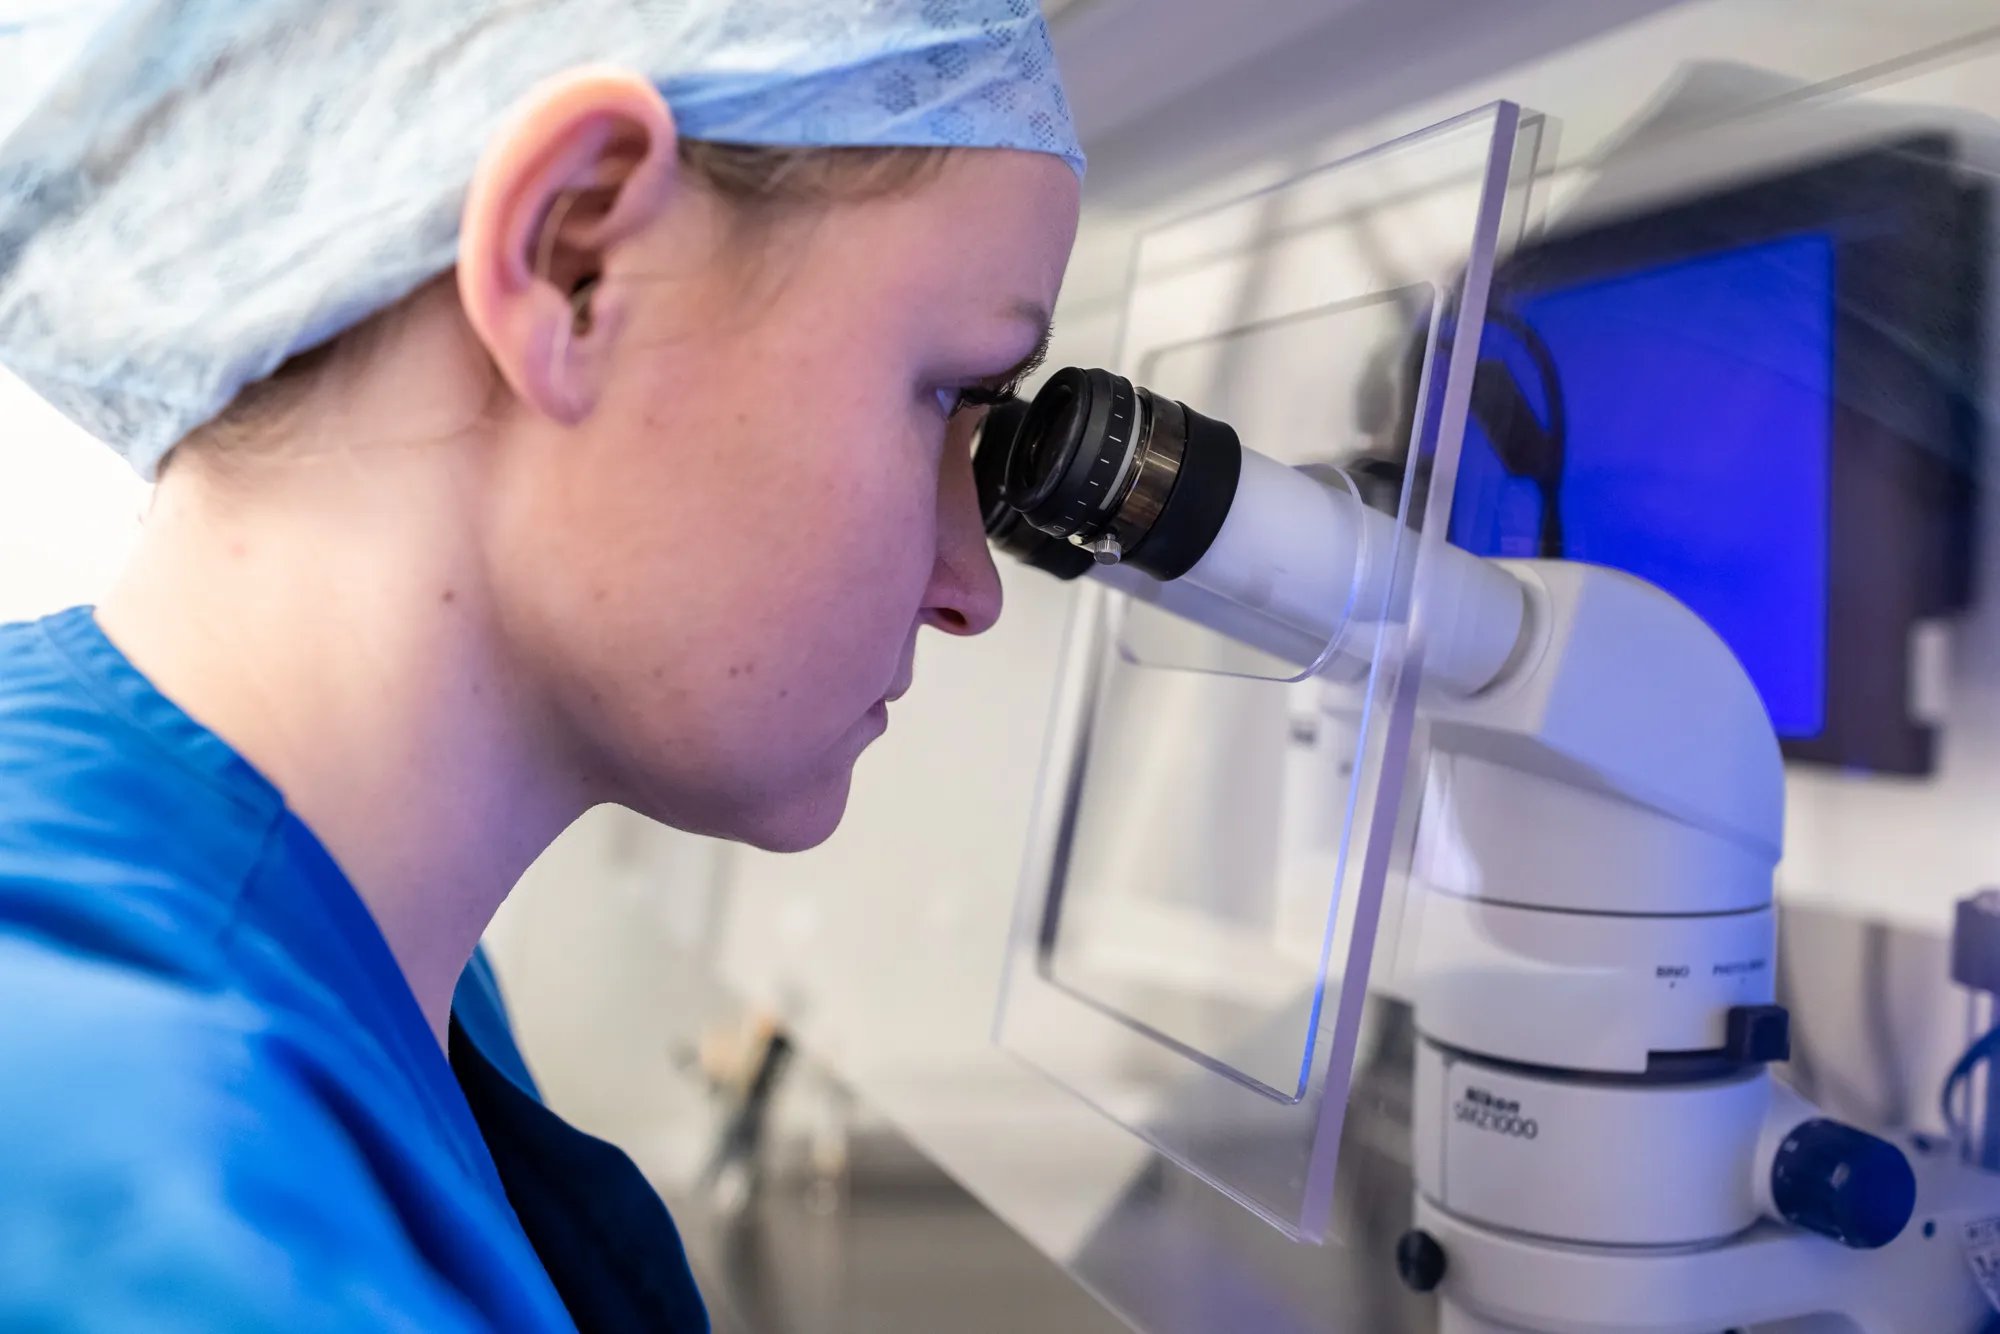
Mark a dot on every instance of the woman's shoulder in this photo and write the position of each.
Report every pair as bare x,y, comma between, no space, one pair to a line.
157,1157
118,1064
126,830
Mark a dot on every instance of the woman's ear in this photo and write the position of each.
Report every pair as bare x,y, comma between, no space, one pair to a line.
585,163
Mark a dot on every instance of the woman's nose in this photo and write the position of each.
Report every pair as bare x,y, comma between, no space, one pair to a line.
964,596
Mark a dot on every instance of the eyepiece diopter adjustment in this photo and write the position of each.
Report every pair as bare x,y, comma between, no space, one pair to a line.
1122,472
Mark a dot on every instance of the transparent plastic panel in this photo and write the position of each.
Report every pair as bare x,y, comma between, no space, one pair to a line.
1305,390
1218,811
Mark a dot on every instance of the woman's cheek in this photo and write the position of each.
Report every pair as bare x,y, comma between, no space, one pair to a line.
873,533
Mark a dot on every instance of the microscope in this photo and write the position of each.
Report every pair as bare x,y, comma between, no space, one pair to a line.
1600,1143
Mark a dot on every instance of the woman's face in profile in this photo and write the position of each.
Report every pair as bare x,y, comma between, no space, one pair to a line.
721,573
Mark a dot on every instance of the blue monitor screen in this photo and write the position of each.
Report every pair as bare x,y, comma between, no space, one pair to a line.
1698,397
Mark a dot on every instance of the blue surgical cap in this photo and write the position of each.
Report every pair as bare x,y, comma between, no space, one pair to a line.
192,191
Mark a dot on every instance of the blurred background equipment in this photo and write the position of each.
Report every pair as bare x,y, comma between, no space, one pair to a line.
1765,400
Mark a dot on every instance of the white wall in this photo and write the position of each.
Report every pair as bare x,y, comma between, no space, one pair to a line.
69,508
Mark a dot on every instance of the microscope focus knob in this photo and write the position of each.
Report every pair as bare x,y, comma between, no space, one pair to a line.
1420,1261
1843,1183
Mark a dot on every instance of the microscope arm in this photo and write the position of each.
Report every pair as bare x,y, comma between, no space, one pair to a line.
1563,977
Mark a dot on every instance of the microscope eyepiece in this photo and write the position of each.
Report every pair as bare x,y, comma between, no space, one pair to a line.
1006,529
1122,473
1047,445
1284,559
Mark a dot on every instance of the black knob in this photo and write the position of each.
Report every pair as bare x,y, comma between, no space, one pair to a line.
1757,1034
1420,1261
1843,1183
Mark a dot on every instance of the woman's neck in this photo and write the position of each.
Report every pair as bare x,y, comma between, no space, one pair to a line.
326,620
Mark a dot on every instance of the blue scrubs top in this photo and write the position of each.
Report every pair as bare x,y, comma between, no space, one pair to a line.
220,1107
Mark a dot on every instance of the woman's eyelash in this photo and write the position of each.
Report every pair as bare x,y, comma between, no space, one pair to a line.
985,396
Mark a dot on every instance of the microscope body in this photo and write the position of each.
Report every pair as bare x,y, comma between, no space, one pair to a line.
1589,944
1587,932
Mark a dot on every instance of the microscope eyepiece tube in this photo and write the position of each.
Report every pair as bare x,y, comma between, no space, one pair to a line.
1100,469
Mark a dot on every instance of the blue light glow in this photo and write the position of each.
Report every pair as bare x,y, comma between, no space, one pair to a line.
1699,402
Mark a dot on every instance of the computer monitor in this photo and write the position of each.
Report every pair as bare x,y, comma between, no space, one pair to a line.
1764,401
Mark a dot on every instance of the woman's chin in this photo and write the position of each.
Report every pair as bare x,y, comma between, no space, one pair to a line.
804,821
801,810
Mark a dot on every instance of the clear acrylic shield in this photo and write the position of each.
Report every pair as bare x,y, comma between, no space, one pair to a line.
1216,826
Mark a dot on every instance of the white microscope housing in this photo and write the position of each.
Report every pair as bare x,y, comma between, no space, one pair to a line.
1591,929
1588,935
1597,1135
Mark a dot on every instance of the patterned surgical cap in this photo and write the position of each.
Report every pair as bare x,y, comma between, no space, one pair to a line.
192,191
